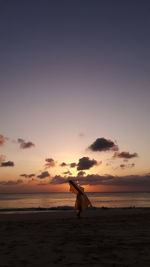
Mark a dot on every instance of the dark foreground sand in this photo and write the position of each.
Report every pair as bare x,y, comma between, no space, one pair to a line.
111,237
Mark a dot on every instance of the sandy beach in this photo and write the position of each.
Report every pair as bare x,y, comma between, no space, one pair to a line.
105,237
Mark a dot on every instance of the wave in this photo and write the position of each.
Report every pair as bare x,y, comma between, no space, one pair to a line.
35,209
41,209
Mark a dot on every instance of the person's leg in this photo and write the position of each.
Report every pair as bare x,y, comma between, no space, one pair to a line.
78,214
79,211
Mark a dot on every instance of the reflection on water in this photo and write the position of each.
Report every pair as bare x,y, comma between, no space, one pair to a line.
48,200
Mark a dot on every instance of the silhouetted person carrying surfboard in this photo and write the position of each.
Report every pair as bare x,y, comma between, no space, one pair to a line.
82,201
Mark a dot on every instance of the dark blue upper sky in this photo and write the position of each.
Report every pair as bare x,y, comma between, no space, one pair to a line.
78,36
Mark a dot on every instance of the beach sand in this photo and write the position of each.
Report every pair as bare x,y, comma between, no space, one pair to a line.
104,237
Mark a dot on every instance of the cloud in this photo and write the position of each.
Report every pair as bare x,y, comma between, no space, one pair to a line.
2,140
24,175
73,165
43,175
93,179
31,175
27,175
109,180
4,163
103,144
81,173
85,163
67,173
58,179
7,164
124,166
63,164
125,155
49,163
24,144
19,181
30,181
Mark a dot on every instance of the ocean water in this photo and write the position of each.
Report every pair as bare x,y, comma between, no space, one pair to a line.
65,201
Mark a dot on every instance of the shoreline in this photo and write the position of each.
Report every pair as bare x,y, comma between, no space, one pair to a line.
64,208
71,213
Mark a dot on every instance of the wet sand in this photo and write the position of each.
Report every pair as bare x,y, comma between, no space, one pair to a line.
105,237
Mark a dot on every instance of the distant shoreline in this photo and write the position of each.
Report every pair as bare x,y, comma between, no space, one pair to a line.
68,209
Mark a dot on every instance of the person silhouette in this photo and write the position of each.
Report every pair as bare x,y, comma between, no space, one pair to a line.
79,204
82,201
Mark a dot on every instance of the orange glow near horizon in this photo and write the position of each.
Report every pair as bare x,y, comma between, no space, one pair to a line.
34,188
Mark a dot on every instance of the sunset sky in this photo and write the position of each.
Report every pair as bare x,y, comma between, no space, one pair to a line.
74,95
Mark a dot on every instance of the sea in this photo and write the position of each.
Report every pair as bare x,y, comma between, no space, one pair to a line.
16,203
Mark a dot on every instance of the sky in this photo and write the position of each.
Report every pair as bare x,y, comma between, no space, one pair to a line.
74,88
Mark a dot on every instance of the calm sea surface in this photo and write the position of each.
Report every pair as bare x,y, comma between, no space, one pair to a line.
60,201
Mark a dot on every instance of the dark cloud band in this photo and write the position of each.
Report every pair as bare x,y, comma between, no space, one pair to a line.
9,183
108,180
